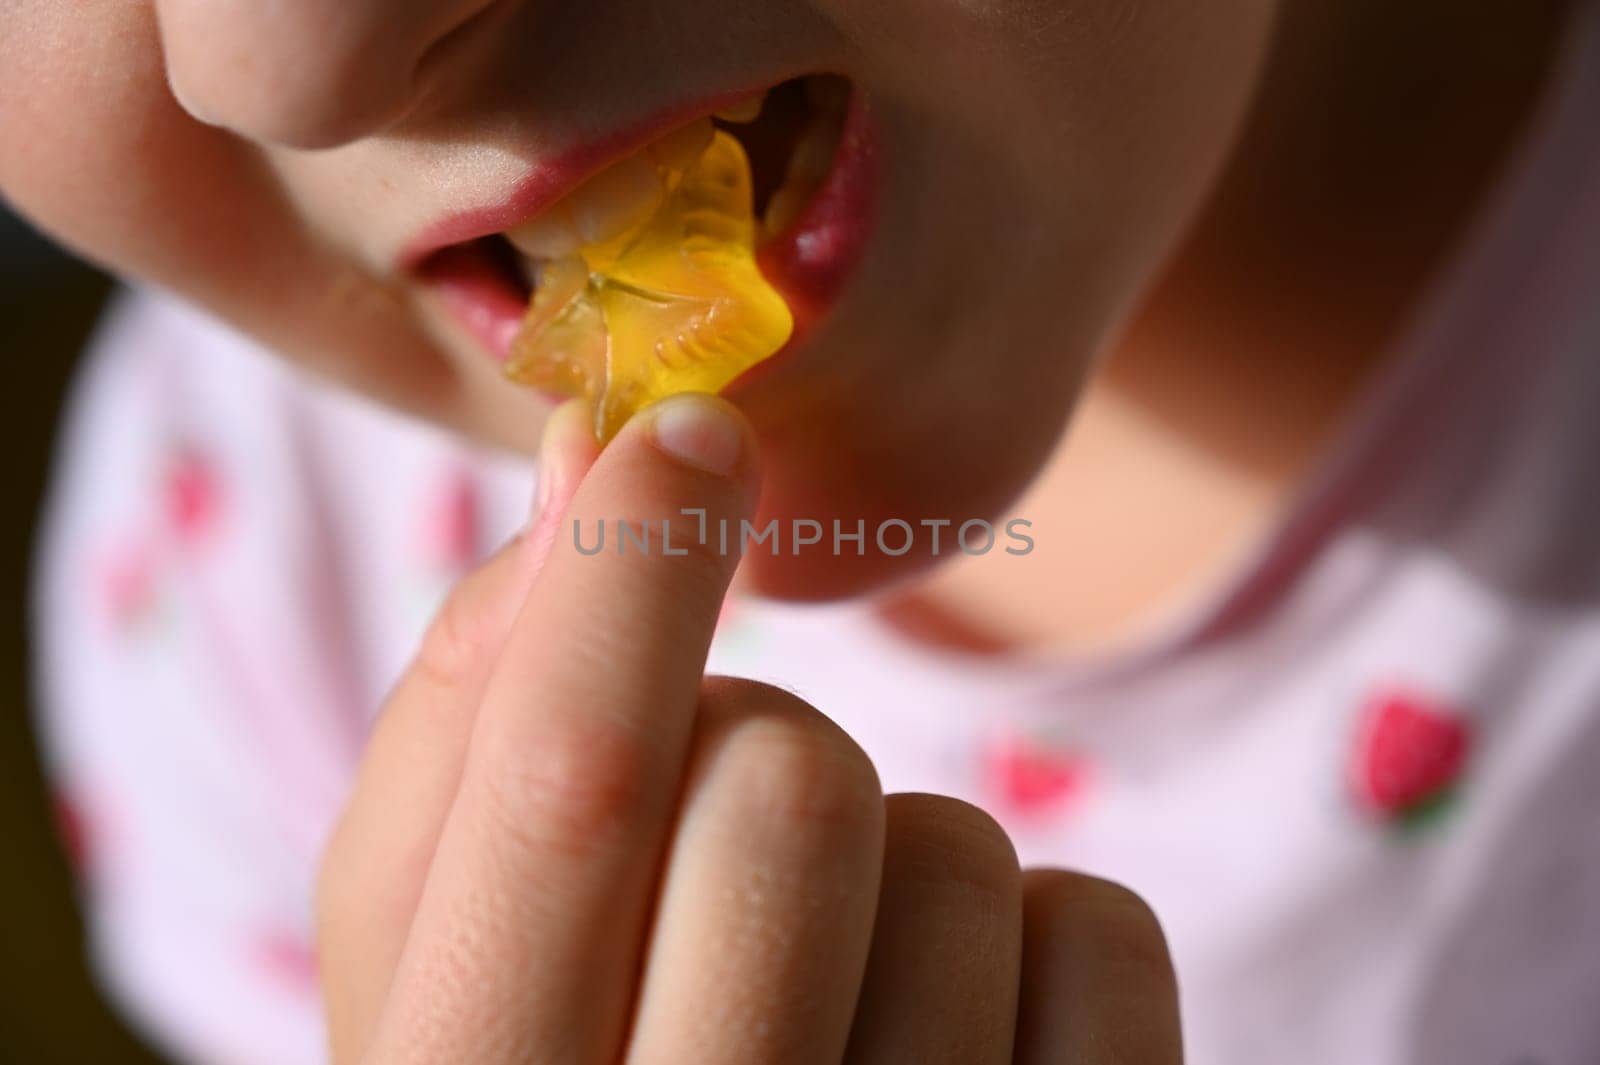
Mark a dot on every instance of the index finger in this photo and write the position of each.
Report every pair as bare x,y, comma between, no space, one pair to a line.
528,935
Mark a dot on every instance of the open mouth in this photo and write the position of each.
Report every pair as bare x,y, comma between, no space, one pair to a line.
813,175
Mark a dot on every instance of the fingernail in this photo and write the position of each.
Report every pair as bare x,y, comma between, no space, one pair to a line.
698,430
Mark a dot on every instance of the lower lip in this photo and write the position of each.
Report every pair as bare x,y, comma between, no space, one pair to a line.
475,292
809,264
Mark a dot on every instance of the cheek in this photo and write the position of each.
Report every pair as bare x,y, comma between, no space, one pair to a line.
1111,117
1046,158
98,153
1129,108
111,166
1113,120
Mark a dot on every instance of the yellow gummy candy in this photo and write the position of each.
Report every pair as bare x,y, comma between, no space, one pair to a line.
676,304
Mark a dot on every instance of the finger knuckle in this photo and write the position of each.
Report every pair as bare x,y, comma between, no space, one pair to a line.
789,765
453,644
941,840
571,790
1117,918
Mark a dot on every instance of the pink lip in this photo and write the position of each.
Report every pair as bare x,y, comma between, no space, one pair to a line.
473,289
809,263
551,180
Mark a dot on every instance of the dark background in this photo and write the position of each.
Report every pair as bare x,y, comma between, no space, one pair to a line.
49,1011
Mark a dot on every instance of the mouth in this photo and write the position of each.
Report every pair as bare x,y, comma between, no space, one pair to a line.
814,167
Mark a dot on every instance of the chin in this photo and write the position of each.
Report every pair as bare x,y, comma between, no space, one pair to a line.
904,472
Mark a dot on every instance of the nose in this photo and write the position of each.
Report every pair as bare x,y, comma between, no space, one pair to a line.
303,73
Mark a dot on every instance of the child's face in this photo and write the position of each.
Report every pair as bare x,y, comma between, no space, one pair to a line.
1037,159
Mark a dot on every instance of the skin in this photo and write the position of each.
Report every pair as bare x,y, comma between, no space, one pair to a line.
1089,144
1074,166
1126,181
548,861
1376,132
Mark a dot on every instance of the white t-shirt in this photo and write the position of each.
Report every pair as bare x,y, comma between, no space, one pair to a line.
1360,784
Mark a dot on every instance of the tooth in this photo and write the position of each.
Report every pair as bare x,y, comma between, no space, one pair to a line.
679,149
617,200
808,168
745,110
784,207
813,153
549,236
531,269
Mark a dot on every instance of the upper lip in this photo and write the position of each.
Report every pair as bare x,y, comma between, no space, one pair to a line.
548,182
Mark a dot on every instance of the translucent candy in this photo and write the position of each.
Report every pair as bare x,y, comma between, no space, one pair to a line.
675,304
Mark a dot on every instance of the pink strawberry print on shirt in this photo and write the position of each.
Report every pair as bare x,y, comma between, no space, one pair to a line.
193,495
179,515
1034,778
452,531
72,829
85,823
286,957
126,580
1409,756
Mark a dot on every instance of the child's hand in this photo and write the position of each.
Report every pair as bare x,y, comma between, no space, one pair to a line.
567,846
